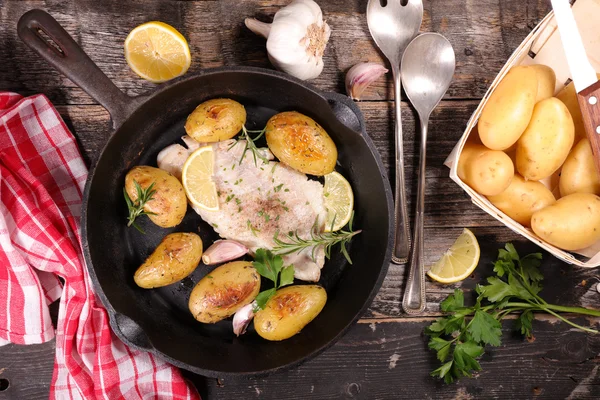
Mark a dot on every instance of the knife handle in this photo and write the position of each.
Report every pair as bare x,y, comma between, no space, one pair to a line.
589,103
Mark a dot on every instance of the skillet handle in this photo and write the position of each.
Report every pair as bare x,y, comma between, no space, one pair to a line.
64,54
129,331
346,111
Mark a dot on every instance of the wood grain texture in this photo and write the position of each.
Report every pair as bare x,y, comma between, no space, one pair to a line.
483,32
384,356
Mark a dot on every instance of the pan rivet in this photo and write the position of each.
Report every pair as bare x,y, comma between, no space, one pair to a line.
593,100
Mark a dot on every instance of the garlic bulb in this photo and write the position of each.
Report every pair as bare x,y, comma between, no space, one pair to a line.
361,76
296,39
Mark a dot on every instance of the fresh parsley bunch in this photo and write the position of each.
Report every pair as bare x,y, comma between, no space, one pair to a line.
460,337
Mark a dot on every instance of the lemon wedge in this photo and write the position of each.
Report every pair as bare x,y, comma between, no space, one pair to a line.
459,261
196,177
157,52
339,201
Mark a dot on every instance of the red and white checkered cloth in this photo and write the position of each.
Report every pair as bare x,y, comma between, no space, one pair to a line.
42,176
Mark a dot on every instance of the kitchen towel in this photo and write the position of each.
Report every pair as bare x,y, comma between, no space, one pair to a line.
42,176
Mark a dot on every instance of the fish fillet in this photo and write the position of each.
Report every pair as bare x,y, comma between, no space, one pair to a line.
257,200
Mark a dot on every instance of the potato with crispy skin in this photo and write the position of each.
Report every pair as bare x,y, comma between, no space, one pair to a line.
225,290
168,204
216,120
177,256
289,310
301,143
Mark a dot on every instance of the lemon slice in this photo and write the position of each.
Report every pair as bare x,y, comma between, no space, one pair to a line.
339,201
157,52
196,177
459,261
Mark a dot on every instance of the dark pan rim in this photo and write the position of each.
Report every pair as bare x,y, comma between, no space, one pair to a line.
375,289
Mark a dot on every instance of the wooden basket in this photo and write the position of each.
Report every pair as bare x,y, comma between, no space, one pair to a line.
542,46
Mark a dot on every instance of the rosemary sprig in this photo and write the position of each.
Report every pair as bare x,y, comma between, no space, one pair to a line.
250,145
293,243
136,209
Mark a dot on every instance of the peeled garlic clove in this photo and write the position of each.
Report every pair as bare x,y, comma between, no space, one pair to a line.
361,76
223,250
242,319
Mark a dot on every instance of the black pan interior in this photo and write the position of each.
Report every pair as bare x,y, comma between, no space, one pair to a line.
163,323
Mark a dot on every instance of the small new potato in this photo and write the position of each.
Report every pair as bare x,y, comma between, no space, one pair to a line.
488,172
225,290
579,173
546,82
572,223
568,95
301,143
177,256
168,204
546,142
509,108
216,120
289,310
522,198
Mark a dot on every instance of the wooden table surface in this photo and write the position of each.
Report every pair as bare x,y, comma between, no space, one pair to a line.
385,355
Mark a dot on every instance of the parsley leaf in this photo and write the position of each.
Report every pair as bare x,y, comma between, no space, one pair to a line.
270,266
485,328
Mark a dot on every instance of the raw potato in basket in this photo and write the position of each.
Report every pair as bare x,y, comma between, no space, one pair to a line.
579,173
488,172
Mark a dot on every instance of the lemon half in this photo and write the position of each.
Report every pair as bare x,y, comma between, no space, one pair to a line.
338,200
459,261
157,52
196,177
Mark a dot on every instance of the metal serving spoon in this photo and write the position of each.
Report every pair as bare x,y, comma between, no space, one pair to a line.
393,27
427,69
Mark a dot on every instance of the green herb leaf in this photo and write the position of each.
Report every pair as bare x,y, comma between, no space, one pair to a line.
454,301
442,372
287,276
262,299
485,328
496,289
264,261
137,208
442,347
524,323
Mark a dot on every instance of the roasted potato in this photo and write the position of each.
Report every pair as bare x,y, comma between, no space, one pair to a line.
177,256
290,310
301,143
579,173
568,96
546,142
509,108
489,172
225,290
216,120
572,223
546,82
522,198
168,204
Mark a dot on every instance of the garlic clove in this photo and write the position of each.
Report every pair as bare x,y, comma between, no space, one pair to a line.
242,319
223,250
360,77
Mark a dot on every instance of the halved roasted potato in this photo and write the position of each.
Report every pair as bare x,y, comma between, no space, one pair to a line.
289,310
168,204
301,143
177,256
216,120
224,291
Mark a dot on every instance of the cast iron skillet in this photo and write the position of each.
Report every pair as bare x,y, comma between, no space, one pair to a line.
158,320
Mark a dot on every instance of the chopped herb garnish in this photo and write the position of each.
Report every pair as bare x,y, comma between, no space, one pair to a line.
278,187
229,198
137,208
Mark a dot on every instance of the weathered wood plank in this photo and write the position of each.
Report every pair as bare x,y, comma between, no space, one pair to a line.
484,34
382,360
